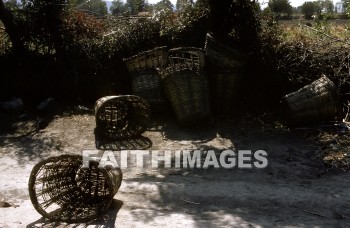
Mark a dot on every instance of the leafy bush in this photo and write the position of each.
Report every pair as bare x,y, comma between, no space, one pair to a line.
186,27
96,49
80,26
42,23
84,54
237,19
294,57
5,44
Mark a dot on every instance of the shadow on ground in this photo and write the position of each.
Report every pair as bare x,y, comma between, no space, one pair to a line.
294,190
136,143
108,220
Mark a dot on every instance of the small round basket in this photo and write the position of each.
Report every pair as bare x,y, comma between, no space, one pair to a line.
121,117
61,189
226,67
146,81
318,101
186,85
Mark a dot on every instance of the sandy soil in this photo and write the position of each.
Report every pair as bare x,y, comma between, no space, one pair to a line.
293,191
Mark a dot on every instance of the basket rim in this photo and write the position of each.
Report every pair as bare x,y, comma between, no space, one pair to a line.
107,98
177,68
192,49
323,79
161,48
74,158
129,130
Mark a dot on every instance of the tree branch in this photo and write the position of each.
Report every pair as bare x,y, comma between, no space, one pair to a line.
7,19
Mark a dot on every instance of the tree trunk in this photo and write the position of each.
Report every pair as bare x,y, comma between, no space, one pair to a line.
7,19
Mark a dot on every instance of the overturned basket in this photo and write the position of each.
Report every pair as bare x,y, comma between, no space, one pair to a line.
226,73
62,190
146,81
186,85
121,117
315,102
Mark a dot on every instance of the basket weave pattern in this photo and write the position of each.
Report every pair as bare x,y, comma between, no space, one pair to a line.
226,66
121,117
315,102
186,85
62,190
146,81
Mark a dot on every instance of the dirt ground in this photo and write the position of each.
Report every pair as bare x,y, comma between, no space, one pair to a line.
293,191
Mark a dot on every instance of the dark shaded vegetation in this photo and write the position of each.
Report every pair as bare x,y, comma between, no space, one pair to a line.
75,56
70,54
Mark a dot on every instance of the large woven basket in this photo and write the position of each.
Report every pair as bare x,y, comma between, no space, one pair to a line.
186,86
62,190
146,81
318,101
121,117
226,67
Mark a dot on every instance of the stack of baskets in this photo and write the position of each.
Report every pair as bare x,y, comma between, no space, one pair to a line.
121,117
186,86
62,190
146,81
226,71
317,101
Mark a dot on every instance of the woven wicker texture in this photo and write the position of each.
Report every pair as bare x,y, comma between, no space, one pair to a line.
186,85
62,190
146,81
226,71
136,143
121,117
315,102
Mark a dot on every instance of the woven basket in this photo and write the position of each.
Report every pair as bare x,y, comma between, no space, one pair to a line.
226,67
121,117
62,190
146,81
318,101
186,85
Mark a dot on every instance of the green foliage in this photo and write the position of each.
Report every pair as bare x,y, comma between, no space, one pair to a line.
81,27
97,7
130,37
321,8
236,21
42,24
84,52
187,27
309,9
5,44
118,7
164,4
183,4
135,6
11,4
280,7
327,6
346,6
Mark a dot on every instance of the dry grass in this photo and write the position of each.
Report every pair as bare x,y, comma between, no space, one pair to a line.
304,53
333,149
339,29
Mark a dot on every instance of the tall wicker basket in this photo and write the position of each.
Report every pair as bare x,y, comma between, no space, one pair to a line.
318,101
121,117
226,67
186,86
62,190
146,81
